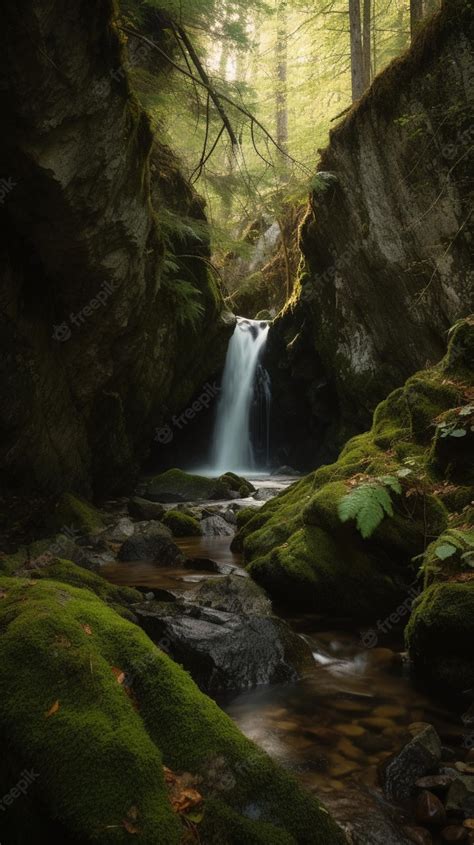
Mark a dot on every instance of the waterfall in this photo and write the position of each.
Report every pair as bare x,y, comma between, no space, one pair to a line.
240,440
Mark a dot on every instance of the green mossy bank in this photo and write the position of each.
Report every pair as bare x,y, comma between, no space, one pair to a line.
95,710
297,547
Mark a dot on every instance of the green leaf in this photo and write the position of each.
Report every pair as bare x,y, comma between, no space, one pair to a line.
368,504
459,432
445,550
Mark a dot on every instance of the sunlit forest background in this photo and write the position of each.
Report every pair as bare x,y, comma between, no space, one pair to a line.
291,66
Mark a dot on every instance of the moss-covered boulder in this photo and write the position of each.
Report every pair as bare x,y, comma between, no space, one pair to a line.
440,637
178,486
95,711
181,524
74,514
348,538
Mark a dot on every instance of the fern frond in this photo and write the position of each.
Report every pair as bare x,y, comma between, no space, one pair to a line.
369,503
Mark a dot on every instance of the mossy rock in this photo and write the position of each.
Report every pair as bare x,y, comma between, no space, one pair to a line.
439,637
182,525
298,548
94,708
178,486
73,513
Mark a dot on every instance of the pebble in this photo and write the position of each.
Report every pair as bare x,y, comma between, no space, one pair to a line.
465,768
376,723
418,835
324,735
429,809
346,747
389,711
383,657
349,730
454,833
469,823
348,705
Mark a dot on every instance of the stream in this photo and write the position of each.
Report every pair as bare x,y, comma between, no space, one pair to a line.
338,723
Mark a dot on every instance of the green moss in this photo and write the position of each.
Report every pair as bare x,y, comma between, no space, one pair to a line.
182,525
176,485
440,634
99,753
72,512
296,545
68,573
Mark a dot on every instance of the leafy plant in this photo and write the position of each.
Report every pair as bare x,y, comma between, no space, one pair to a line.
369,503
460,425
186,305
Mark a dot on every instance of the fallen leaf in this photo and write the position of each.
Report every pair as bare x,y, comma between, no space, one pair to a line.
62,640
186,799
130,827
87,630
133,813
3,594
120,676
52,710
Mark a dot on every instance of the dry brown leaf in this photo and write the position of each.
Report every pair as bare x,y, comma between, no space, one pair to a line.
63,641
186,799
87,630
3,594
119,675
130,827
52,710
133,813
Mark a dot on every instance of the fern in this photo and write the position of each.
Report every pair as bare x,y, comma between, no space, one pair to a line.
369,503
185,300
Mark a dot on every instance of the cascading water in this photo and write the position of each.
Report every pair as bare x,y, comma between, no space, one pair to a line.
244,405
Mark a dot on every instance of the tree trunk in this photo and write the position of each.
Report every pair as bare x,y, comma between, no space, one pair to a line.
367,43
357,59
281,55
416,16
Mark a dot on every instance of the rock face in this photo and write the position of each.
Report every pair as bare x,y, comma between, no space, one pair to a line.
387,242
94,341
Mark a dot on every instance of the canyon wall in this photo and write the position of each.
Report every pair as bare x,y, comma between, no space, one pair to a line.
387,243
98,342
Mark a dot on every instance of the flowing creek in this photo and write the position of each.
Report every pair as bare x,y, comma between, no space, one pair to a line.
336,725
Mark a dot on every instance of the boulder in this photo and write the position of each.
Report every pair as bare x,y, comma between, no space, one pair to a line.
178,486
152,541
419,757
217,526
181,524
225,636
143,509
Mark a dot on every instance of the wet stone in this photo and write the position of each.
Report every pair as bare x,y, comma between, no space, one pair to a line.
454,833
418,835
429,809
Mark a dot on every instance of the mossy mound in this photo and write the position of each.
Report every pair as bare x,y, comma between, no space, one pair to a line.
298,548
440,635
182,525
96,710
178,486
75,515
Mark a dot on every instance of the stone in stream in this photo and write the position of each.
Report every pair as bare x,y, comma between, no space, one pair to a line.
151,541
118,533
436,783
454,833
225,636
142,509
429,810
365,818
417,758
217,526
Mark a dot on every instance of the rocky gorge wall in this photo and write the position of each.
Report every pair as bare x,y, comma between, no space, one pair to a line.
386,243
96,345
